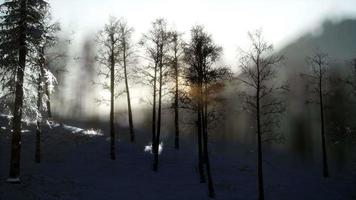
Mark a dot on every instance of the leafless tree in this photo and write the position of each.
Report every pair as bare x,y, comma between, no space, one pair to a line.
156,43
127,59
317,80
258,74
200,54
175,62
108,58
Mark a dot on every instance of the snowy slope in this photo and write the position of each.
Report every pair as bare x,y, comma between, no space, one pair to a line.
76,165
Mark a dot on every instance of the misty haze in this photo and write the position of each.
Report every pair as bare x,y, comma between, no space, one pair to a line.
190,99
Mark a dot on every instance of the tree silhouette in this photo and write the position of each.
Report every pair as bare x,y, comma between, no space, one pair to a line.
200,54
108,58
258,74
175,62
316,79
156,43
127,59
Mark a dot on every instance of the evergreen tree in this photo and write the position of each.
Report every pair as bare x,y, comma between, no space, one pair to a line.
21,29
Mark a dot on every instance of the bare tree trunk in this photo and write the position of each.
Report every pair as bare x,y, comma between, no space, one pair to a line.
156,146
176,102
38,124
206,152
39,106
48,102
205,109
154,109
207,165
260,166
132,133
112,90
200,147
200,138
323,142
14,175
259,139
46,89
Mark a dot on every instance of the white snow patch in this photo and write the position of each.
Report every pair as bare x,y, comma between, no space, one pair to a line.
6,116
29,121
93,132
73,129
13,180
148,148
89,132
51,81
23,131
52,124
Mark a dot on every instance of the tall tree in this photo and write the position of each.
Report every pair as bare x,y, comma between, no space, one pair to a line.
108,58
21,27
200,54
317,80
175,62
156,43
127,53
258,74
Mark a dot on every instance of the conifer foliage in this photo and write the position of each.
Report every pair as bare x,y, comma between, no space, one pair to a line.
21,30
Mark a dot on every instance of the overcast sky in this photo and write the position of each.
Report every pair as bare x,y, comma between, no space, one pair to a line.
227,20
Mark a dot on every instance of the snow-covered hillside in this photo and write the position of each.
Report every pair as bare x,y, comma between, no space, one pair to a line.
76,165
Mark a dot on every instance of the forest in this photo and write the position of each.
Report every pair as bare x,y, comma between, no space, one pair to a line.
161,114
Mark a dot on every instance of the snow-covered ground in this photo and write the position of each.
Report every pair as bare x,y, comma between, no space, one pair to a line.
76,165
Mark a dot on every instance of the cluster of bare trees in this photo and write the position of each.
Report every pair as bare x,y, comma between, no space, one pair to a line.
188,72
156,42
115,55
263,94
169,65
